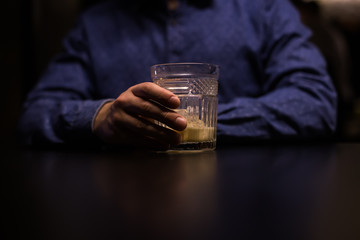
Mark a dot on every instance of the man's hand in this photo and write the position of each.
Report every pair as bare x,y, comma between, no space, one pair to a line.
130,119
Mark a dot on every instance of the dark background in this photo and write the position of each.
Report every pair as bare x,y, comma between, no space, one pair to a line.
32,33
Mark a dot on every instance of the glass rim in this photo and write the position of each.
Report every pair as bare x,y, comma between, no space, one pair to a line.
184,69
185,63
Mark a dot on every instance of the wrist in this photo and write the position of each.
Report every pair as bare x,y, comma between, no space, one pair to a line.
100,114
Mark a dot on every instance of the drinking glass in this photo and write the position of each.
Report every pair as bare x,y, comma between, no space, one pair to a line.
196,85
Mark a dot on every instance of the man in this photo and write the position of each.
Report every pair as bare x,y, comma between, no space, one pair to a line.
273,83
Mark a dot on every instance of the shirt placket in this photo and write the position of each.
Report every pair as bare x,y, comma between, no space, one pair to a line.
175,34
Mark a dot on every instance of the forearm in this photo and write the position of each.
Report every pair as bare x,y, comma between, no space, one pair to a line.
284,113
47,121
296,98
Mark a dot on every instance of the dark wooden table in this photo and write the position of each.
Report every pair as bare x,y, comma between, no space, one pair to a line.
274,191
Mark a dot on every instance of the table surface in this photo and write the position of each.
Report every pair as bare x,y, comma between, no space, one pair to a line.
274,191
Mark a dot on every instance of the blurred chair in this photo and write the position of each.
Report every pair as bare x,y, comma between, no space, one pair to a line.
332,43
48,22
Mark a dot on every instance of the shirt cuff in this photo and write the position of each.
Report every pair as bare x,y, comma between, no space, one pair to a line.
97,111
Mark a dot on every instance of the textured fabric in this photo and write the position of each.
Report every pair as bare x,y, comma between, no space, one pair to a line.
273,82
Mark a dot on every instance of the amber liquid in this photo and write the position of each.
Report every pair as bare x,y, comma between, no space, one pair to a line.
197,136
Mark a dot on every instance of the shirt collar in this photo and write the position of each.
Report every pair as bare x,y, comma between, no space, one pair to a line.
161,4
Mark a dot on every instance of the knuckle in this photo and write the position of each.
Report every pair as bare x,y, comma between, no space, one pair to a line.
147,86
123,101
141,89
120,101
146,106
166,116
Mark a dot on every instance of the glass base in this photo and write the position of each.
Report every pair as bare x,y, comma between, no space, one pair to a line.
195,146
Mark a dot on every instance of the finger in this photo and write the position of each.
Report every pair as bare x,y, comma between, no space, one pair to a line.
156,93
152,110
144,128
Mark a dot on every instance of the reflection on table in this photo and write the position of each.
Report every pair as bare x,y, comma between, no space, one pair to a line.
308,191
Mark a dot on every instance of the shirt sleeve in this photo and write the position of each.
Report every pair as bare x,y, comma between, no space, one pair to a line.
62,105
298,98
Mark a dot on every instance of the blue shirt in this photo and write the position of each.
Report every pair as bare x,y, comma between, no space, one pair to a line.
273,82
